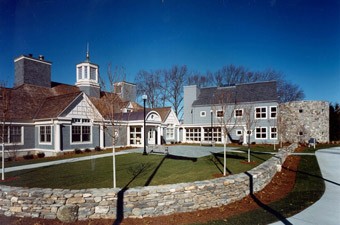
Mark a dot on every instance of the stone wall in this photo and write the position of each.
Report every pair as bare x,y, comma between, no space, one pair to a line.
70,205
301,120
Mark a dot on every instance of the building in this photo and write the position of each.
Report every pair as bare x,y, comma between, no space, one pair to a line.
240,113
39,115
250,113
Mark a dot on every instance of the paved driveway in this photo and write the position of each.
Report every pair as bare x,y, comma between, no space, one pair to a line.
326,211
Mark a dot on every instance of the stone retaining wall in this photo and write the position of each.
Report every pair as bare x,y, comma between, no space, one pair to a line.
70,205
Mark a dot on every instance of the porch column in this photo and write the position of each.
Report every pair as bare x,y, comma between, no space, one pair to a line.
159,141
128,135
101,136
184,134
202,134
222,133
143,138
57,137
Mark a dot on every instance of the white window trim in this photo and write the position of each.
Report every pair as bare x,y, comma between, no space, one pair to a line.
270,133
261,132
238,131
42,142
173,133
217,111
270,113
203,113
21,139
81,124
235,113
262,118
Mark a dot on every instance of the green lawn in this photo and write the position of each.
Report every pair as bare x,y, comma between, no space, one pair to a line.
309,187
132,170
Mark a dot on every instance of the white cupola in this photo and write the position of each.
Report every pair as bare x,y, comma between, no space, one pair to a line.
88,77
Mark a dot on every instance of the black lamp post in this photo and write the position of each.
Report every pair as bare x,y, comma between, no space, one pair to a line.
144,97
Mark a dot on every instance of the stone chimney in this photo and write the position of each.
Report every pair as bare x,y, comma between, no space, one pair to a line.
30,70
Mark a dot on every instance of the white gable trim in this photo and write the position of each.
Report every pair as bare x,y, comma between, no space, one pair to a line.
172,119
153,116
95,114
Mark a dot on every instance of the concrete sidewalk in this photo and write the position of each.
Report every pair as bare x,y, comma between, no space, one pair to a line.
184,151
57,162
326,211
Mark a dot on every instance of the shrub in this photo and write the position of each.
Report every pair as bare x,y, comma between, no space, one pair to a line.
97,148
77,151
87,150
28,156
41,155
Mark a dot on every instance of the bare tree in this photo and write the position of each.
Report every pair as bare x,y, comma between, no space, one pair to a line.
110,105
176,76
250,122
149,83
225,117
230,75
200,80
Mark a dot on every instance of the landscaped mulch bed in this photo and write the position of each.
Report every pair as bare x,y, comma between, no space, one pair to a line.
279,187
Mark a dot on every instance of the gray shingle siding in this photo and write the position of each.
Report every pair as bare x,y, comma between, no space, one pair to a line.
32,71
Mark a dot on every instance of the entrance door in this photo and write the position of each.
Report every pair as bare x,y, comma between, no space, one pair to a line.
152,136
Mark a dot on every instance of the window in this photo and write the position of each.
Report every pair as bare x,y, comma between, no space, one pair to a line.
45,134
216,134
261,132
203,114
238,112
12,135
193,134
80,74
219,113
261,112
80,131
273,111
170,133
239,132
92,73
273,133
135,135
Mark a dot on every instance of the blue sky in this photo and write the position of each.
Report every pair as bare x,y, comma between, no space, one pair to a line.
299,38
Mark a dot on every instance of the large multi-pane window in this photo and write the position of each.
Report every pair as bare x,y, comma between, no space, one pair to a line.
45,134
81,130
135,135
193,134
215,133
93,73
261,112
11,134
261,132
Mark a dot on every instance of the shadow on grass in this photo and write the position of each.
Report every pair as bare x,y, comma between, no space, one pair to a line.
217,161
312,175
120,195
264,206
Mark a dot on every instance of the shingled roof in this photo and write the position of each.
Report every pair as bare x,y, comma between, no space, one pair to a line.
26,100
240,93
